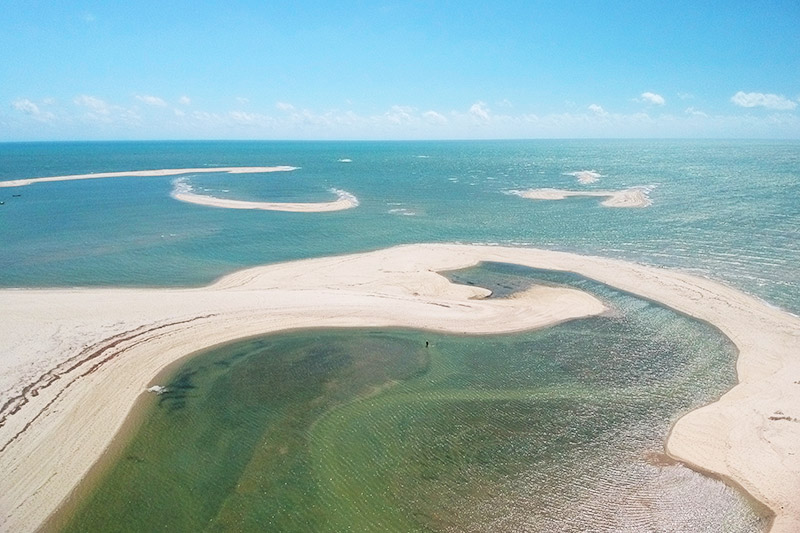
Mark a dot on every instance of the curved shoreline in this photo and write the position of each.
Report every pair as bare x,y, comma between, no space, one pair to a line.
79,358
183,193
631,197
147,173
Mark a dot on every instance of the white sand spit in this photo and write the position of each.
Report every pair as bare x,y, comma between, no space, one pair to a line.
632,197
183,192
147,173
75,360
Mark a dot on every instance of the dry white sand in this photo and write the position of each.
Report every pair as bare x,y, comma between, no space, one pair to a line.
75,360
344,200
632,197
147,173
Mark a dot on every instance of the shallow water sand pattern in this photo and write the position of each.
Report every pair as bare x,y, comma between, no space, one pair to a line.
126,336
368,431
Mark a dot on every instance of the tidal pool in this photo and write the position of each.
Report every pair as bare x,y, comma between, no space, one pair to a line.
561,429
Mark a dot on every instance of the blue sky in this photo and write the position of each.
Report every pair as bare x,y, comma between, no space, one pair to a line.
398,69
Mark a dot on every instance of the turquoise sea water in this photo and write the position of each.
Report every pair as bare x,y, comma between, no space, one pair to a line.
727,209
724,209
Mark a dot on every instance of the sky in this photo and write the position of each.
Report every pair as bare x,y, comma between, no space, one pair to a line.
141,69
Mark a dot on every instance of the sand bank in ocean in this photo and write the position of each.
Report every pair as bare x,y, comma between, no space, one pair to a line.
183,192
585,176
75,360
146,173
632,197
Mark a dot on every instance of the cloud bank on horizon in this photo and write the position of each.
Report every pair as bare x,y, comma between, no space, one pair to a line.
398,71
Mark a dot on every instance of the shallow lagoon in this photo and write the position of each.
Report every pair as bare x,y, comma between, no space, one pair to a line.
365,430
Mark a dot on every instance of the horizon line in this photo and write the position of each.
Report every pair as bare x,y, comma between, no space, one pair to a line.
444,139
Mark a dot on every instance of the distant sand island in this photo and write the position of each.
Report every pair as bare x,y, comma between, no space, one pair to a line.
147,173
76,360
632,197
183,192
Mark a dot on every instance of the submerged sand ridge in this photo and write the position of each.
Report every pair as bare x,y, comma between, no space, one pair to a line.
75,360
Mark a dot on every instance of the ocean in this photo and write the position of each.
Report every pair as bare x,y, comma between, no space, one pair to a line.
560,429
725,209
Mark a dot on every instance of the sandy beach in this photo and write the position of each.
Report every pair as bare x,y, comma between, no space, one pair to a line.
146,173
75,360
632,197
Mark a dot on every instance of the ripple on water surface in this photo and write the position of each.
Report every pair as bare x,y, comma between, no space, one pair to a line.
557,430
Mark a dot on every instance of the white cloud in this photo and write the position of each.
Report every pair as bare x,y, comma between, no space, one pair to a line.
398,114
31,109
652,98
479,111
243,117
695,113
94,104
101,111
151,100
205,116
26,106
184,100
598,110
769,101
241,100
432,117
249,119
397,122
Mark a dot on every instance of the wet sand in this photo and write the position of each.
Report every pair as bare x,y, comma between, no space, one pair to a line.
76,360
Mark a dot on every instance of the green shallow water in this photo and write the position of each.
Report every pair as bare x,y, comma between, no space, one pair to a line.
364,430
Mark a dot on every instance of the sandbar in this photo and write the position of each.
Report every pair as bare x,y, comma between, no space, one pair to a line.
585,176
146,173
75,360
632,197
183,192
